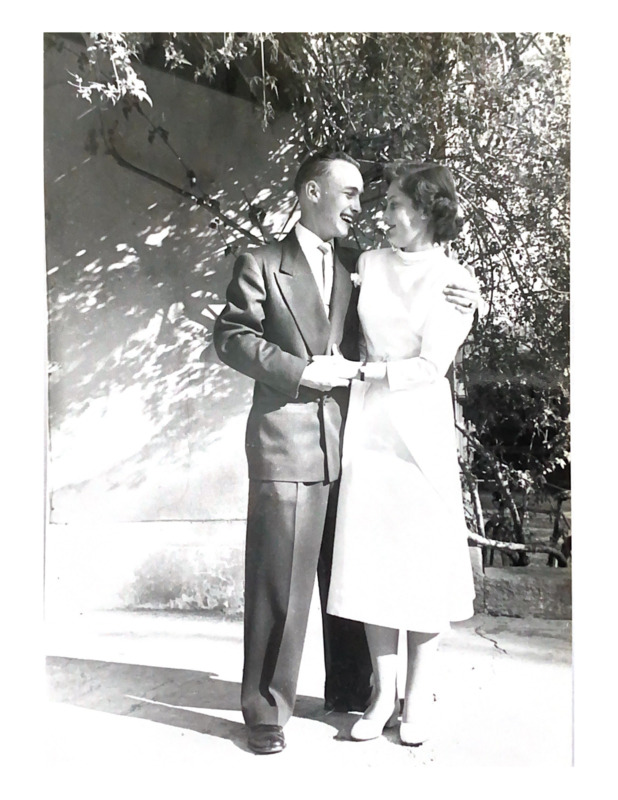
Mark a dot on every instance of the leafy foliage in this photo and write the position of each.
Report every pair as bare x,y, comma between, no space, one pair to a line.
169,579
111,54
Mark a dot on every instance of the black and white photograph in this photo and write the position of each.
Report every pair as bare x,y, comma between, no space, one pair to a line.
307,406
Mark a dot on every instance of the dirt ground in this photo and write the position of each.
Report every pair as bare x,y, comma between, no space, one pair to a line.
157,694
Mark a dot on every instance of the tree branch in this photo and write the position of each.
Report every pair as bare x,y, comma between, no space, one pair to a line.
514,547
471,482
497,469
206,202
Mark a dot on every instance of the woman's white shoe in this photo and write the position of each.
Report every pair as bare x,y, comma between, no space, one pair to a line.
365,729
412,734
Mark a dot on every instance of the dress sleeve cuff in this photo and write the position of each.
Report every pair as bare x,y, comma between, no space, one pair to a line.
410,372
375,370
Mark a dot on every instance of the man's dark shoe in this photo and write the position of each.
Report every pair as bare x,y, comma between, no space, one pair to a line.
265,739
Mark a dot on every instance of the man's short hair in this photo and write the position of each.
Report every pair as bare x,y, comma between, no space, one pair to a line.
318,164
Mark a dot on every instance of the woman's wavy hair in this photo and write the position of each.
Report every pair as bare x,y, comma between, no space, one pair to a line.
432,191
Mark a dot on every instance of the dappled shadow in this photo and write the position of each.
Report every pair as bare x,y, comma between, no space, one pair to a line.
177,697
136,277
137,274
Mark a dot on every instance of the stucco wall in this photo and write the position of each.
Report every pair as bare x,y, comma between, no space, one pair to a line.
144,423
146,427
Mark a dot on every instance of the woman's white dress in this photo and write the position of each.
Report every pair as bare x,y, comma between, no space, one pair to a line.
401,557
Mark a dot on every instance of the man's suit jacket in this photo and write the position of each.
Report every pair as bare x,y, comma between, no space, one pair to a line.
272,324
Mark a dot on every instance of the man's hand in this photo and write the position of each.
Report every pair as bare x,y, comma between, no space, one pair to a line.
347,368
465,300
326,372
466,295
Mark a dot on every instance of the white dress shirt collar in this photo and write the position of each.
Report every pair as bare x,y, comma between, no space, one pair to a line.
307,238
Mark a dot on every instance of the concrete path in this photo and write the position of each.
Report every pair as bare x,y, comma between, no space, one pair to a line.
153,697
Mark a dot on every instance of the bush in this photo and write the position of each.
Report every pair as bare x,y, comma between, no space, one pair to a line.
190,579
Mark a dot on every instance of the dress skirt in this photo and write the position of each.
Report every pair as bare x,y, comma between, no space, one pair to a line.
401,556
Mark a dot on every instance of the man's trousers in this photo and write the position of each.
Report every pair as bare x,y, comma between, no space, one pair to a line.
290,528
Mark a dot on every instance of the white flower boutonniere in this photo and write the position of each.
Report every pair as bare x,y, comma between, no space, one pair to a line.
356,279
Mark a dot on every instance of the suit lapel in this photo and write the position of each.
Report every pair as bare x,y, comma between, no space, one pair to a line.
302,297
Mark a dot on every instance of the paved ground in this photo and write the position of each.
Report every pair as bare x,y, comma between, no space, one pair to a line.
153,698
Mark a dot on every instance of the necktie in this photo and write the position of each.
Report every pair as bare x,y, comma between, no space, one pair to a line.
325,249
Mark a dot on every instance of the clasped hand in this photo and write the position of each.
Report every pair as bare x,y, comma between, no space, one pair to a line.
326,372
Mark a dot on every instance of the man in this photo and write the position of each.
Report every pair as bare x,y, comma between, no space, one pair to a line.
290,305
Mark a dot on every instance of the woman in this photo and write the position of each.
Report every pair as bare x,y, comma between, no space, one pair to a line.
401,559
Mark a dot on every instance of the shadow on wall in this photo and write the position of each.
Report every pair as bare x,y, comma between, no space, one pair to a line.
145,423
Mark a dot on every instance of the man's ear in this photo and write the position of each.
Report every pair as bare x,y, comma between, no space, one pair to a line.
312,190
